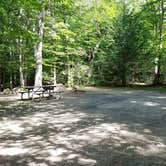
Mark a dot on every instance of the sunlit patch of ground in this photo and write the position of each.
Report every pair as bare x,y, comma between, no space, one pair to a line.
95,128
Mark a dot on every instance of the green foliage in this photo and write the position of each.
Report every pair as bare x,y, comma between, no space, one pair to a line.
88,41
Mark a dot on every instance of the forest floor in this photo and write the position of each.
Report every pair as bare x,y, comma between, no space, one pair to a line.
98,127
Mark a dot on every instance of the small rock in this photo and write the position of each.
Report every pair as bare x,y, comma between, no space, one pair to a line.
16,90
7,91
60,88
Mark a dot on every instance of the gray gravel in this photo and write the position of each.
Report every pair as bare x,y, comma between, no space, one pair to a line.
99,127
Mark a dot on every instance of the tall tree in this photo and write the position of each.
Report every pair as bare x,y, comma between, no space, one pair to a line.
157,71
39,47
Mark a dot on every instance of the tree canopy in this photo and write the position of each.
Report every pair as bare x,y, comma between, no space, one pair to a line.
82,42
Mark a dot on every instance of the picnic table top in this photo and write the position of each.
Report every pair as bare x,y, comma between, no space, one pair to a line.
43,86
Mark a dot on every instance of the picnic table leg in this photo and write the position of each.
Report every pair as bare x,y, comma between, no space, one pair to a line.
49,91
28,93
21,96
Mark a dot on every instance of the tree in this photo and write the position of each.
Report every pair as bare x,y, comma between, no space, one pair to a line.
85,42
157,71
39,47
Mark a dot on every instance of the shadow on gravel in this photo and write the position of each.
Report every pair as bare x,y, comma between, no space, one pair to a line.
91,129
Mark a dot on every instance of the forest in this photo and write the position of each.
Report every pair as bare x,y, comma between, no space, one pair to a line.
82,82
82,42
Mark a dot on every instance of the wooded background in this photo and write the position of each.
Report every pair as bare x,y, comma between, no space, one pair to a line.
82,42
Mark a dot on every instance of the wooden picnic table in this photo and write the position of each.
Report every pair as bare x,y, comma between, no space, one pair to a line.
40,91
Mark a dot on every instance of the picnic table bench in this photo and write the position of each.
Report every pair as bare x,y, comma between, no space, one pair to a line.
40,92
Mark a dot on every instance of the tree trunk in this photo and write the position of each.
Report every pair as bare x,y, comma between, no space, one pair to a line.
55,77
90,72
124,82
4,80
20,52
123,74
38,50
156,80
77,73
157,73
91,64
21,67
70,74
11,81
1,77
101,74
11,72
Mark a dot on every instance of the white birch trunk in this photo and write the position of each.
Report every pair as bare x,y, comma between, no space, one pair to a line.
21,70
55,82
20,52
38,50
157,58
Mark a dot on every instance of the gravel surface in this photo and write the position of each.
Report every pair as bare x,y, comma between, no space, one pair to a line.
99,127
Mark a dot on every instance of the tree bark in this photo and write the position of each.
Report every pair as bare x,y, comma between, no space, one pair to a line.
21,67
20,52
38,50
70,74
124,79
0,77
55,76
91,63
77,73
123,70
157,73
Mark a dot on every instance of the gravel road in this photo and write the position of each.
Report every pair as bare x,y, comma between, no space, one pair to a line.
99,127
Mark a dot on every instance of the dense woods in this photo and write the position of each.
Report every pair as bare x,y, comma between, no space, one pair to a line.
82,42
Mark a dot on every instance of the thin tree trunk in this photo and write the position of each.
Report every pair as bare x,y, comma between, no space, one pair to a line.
20,52
77,73
123,65
91,64
101,73
0,77
55,76
124,80
70,74
38,50
15,79
27,43
157,73
11,73
21,67
123,71
90,72
11,81
4,80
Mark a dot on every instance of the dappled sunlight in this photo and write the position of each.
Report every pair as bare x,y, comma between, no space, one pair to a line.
152,104
145,103
133,101
53,133
12,151
157,97
57,155
38,164
85,161
59,142
127,92
151,101
11,126
152,150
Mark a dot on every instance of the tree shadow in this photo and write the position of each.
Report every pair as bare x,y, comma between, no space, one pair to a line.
94,129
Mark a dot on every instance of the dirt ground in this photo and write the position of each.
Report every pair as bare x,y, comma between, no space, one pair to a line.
99,127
